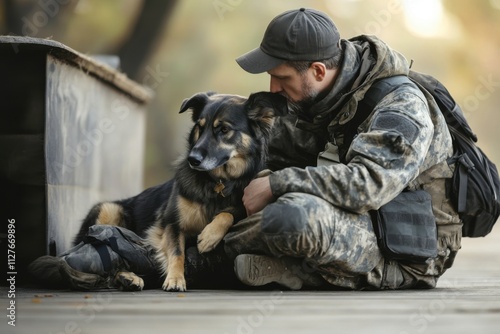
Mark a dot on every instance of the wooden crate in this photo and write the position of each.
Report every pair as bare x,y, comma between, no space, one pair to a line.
72,133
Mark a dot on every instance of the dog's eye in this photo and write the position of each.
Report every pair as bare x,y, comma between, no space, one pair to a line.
224,129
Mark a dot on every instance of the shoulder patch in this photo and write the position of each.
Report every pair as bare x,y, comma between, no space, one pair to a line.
394,121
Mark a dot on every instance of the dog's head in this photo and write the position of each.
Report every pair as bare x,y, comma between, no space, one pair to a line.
231,132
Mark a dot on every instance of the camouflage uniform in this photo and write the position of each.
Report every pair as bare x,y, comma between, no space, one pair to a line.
321,212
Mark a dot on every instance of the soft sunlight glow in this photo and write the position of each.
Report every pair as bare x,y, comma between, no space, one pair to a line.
495,4
428,19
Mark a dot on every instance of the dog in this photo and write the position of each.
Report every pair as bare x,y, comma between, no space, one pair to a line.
227,148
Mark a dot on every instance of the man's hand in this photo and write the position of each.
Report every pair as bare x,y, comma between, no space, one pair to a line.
257,195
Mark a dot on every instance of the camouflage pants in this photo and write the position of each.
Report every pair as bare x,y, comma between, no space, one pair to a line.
339,245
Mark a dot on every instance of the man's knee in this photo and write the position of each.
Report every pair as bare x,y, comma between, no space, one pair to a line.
283,217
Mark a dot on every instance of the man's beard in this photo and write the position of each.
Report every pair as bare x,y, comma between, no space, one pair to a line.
302,106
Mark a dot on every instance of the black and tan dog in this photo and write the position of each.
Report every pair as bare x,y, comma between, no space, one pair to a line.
227,148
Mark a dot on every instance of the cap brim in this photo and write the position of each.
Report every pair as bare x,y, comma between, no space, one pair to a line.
257,61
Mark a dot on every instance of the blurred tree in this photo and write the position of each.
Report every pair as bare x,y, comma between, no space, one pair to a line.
17,12
27,17
14,10
148,26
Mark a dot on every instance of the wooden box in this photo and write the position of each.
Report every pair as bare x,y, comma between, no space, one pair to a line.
72,133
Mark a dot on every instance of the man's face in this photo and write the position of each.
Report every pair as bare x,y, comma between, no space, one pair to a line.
297,88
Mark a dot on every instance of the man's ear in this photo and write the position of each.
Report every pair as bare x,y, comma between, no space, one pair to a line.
319,70
196,103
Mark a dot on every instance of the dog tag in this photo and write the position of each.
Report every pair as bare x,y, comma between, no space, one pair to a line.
219,188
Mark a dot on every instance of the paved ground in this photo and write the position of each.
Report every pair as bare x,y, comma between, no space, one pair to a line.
467,300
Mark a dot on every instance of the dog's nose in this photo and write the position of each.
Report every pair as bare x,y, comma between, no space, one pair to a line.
195,159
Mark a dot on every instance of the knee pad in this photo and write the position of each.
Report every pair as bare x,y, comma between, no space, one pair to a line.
280,218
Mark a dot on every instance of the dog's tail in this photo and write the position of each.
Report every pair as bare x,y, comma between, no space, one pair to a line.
105,213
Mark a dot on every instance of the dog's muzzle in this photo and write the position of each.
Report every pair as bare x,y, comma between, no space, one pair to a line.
195,159
199,162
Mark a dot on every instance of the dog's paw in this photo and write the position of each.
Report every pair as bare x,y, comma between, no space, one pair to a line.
128,281
174,283
263,173
209,238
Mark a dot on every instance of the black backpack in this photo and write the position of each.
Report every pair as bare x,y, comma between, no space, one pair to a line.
475,185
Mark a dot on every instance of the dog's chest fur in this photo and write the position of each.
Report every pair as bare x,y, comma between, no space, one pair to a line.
192,216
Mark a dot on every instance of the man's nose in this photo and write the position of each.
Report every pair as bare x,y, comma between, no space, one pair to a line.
275,86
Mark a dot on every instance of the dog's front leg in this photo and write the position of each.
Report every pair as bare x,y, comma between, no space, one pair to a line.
264,172
128,281
173,248
213,233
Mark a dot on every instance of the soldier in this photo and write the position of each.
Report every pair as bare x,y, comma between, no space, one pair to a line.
308,222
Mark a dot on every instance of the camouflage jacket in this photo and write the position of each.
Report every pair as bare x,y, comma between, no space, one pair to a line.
403,144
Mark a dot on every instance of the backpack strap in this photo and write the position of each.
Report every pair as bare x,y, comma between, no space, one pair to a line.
378,90
450,109
465,166
102,250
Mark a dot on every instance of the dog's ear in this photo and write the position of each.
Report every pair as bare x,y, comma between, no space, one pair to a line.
196,103
263,107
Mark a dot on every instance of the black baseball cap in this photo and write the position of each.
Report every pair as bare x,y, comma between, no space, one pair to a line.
299,34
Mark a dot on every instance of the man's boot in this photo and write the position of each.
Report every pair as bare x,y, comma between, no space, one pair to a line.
258,270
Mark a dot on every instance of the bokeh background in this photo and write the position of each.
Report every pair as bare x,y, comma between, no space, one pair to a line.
178,48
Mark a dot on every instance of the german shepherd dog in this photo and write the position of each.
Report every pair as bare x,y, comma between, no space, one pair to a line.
227,148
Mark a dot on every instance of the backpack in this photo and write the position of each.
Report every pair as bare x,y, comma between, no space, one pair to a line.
475,185
94,262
